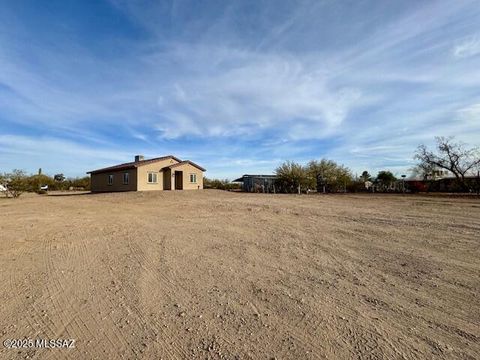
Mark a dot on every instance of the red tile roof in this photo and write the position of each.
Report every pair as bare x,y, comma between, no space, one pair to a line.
133,164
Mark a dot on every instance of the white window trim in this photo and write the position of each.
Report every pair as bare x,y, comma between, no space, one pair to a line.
195,178
110,176
148,177
128,178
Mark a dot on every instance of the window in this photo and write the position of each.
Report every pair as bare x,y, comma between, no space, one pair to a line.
193,178
125,178
152,178
110,179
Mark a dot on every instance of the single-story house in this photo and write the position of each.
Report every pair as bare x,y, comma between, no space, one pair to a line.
161,173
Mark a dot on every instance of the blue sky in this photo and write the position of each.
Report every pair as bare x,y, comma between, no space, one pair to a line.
237,86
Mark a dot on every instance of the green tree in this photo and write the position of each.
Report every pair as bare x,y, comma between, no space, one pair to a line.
365,176
328,174
59,178
385,179
292,177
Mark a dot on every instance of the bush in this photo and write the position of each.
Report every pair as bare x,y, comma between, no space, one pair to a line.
79,183
220,184
36,181
16,183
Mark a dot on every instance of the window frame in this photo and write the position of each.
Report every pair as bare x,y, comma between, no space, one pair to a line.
148,177
194,178
110,179
127,178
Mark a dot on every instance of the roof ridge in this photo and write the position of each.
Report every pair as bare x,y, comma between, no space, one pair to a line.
189,162
133,164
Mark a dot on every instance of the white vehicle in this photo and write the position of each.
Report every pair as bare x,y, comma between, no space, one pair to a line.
44,187
3,188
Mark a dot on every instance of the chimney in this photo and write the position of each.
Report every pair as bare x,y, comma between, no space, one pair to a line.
139,158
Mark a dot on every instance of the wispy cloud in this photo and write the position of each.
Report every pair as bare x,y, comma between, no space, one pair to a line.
244,93
468,47
256,82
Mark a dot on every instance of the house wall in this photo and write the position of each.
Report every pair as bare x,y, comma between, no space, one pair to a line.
187,170
99,182
142,175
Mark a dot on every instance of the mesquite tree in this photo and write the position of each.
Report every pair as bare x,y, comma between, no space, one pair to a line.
451,156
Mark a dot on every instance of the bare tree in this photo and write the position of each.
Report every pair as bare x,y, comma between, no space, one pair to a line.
451,156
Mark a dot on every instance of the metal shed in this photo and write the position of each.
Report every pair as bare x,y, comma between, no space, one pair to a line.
257,183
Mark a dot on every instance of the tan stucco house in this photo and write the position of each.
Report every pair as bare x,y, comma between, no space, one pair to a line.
162,173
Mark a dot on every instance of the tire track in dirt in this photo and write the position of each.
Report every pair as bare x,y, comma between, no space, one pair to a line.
67,315
365,341
362,340
21,251
308,342
150,269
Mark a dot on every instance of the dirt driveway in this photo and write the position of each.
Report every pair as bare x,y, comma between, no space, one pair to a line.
210,274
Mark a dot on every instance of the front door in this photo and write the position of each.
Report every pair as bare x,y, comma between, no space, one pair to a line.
178,180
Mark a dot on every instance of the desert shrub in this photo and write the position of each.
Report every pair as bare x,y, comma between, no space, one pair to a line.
224,184
80,183
357,185
16,182
36,181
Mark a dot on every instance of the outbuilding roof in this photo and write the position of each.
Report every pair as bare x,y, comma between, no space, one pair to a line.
134,164
246,176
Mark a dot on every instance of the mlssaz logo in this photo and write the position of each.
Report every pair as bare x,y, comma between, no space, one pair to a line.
57,343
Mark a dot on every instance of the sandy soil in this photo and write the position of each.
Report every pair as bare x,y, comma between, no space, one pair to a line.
210,274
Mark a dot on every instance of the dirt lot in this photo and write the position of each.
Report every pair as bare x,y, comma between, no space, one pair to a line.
210,274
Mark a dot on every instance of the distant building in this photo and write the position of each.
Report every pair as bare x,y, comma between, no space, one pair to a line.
257,183
438,174
162,173
368,185
444,184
